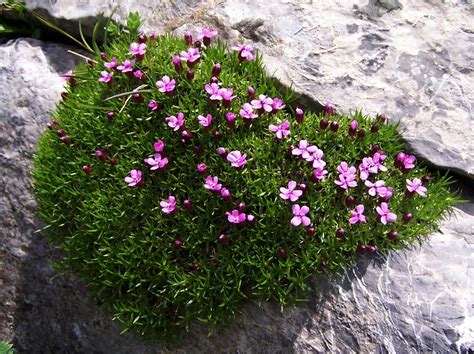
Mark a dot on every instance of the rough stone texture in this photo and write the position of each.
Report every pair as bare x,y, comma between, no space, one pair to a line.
412,60
372,56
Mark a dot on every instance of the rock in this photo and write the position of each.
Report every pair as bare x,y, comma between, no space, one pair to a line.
418,300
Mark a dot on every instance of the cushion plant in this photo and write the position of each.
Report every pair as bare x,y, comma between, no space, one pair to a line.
179,180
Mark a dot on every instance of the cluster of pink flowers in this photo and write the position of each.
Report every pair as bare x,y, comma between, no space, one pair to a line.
347,177
217,94
379,188
267,104
372,165
138,50
313,155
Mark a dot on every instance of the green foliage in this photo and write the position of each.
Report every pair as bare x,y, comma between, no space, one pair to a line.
122,245
6,348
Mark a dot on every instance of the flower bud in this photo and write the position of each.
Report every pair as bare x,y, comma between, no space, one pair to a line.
222,151
407,217
217,135
251,219
100,155
177,63
242,208
142,38
60,133
381,118
110,116
310,231
214,80
197,44
188,38
361,133
299,115
104,56
324,123
138,97
340,233
392,235
198,150
201,167
187,204
190,75
329,108
350,200
374,128
334,126
113,162
361,248
225,193
87,169
186,134
230,119
178,243
223,239
216,70
282,253
251,92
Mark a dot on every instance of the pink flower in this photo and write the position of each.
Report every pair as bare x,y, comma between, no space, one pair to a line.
299,115
126,67
111,64
106,77
230,119
168,206
157,162
277,105
346,181
304,149
226,94
367,162
191,55
235,217
153,105
176,123
138,74
415,186
135,178
137,49
263,102
281,130
291,192
201,167
357,215
319,173
245,51
213,91
212,183
300,215
345,169
387,195
159,146
376,188
205,121
68,75
236,159
166,84
405,161
385,214
247,112
225,193
377,160
206,33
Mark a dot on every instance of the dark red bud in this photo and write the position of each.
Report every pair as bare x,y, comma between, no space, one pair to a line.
352,132
361,133
392,235
186,134
100,155
323,262
142,38
302,187
381,118
196,266
138,97
223,240
350,200
361,248
113,162
374,128
188,38
282,253
340,233
178,243
187,204
407,217
110,115
310,231
198,150
334,126
217,135
426,178
216,70
324,123
104,56
214,80
206,41
60,133
197,44
65,139
374,148
371,248
87,169
190,75
242,208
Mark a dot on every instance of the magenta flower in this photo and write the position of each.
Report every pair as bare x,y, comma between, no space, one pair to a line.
205,121
300,215
226,94
291,192
387,194
153,105
126,67
205,34
357,215
138,74
376,188
137,49
245,51
190,56
177,63
415,186
364,167
168,206
247,112
346,181
405,161
69,76
225,193
212,183
385,214
345,169
378,159
319,173
213,91
263,102
304,149
236,159
201,167
230,119
166,85
159,146
135,178
281,130
277,105
106,77
156,162
299,115
235,217
111,64
315,155
175,123
354,125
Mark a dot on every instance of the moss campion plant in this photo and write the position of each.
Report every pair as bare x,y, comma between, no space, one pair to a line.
180,181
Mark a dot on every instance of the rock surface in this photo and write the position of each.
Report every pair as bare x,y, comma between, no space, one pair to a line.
418,300
410,59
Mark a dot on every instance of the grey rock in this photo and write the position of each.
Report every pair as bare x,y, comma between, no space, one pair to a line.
412,301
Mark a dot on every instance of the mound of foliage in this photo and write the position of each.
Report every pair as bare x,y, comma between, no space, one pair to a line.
179,181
